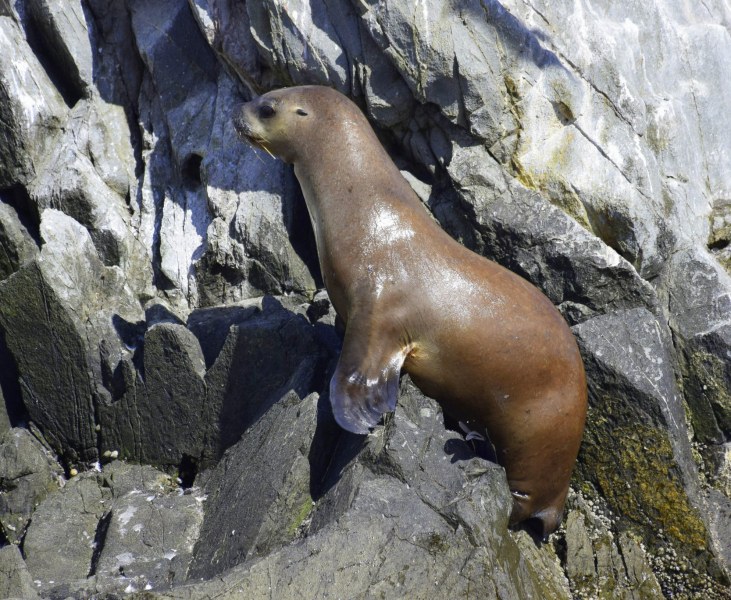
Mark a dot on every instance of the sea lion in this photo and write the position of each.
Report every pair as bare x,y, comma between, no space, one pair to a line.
479,339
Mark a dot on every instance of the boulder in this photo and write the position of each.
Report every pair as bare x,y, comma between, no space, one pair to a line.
28,473
650,477
259,495
149,539
15,581
12,411
114,531
161,414
17,246
52,362
32,109
413,512
700,321
189,392
58,310
61,540
260,359
61,31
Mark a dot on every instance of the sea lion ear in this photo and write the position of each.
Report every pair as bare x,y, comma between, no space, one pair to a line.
366,381
302,112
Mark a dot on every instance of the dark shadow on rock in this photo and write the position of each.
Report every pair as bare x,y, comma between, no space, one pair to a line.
10,385
455,215
99,539
200,385
132,334
28,215
118,69
534,528
332,450
458,450
462,449
254,357
523,41
211,326
138,40
258,494
187,471
157,313
54,58
296,221
133,337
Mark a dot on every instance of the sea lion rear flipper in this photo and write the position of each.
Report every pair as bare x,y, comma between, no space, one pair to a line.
366,381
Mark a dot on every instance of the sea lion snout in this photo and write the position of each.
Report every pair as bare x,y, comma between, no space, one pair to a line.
241,121
271,123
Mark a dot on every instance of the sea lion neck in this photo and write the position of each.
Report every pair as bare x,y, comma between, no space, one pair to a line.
344,165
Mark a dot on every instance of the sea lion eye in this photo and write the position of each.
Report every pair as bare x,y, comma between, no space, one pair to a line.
266,111
302,112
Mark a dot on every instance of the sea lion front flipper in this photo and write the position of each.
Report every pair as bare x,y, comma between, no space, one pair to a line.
366,381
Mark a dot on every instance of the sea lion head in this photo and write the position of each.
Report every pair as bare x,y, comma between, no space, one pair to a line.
287,121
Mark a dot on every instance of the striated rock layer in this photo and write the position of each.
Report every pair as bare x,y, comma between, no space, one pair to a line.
165,345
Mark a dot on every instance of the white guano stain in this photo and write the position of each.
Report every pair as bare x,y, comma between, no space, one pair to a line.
124,518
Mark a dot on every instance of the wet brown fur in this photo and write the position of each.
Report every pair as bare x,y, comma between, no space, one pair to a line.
484,342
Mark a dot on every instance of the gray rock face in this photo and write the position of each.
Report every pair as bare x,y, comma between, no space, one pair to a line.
39,333
700,321
17,247
56,313
599,566
160,402
27,475
4,417
213,374
259,494
160,301
149,539
635,400
15,581
576,270
32,107
414,512
123,529
61,537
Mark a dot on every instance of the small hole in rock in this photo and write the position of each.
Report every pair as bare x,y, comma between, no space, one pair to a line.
719,244
187,471
191,171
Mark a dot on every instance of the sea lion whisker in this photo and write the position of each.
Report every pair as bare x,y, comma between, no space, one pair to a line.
263,147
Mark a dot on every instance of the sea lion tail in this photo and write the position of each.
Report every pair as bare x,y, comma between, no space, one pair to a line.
541,523
546,521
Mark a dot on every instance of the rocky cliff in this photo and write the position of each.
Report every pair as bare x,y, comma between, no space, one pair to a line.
165,345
